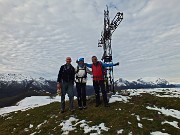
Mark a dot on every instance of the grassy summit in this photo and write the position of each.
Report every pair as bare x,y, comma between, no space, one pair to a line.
132,117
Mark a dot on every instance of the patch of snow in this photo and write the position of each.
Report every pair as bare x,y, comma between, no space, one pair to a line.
9,118
29,103
120,131
150,119
138,118
103,127
174,123
134,93
118,109
38,126
158,133
26,129
167,112
98,128
94,134
33,133
170,92
80,122
147,119
169,95
140,125
30,126
116,97
67,126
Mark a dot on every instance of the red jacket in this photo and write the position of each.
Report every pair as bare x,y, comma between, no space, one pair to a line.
97,72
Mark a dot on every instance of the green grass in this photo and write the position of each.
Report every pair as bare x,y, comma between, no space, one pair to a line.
115,119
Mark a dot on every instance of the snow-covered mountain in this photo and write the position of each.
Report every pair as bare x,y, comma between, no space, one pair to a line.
14,87
14,84
141,83
22,79
17,85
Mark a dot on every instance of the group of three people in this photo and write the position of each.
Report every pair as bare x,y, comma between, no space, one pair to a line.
68,74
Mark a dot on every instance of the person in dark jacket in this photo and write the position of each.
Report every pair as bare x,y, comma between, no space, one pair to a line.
98,79
65,83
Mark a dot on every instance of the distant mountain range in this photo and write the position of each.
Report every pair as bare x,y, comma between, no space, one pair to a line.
13,84
140,83
14,87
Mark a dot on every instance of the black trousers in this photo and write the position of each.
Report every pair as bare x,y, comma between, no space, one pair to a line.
97,86
81,94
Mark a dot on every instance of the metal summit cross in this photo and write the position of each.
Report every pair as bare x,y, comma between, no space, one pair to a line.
105,42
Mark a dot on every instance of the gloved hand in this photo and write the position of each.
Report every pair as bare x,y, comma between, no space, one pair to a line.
116,64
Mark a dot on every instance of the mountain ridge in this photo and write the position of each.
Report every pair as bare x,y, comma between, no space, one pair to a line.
140,83
13,84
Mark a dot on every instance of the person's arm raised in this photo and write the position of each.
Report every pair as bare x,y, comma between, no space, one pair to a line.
88,65
110,65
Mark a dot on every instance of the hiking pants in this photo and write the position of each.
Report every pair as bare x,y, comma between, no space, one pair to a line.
97,86
67,87
81,94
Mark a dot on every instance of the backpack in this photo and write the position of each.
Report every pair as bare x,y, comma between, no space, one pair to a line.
84,68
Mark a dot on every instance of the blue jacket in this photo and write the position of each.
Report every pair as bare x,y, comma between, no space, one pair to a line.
103,65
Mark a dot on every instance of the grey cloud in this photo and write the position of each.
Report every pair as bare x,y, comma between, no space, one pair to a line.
36,36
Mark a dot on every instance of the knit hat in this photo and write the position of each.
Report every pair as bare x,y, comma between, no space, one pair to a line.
81,59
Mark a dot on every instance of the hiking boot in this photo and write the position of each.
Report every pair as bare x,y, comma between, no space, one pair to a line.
72,110
107,105
97,105
80,108
62,111
84,107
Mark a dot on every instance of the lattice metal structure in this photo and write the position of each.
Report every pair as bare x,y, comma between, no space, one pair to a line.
105,42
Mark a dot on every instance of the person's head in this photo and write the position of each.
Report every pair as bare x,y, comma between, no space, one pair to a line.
68,60
81,61
94,59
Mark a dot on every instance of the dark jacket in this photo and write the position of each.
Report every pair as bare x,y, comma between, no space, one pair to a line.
66,74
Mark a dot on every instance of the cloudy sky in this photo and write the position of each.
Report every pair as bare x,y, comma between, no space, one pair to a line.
37,35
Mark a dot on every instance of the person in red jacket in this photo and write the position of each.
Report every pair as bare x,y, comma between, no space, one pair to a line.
98,79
